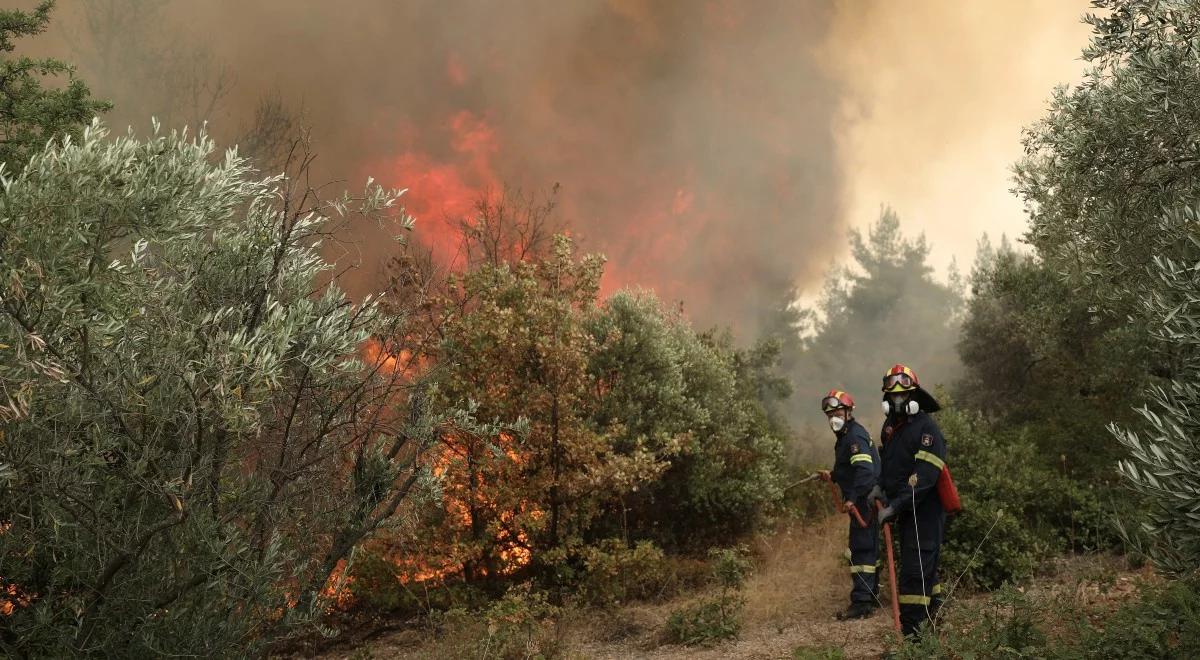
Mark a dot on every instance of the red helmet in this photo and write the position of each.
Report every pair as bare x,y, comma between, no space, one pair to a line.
835,400
900,379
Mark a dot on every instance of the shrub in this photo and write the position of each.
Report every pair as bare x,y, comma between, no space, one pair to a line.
700,404
1163,622
611,572
193,436
379,584
716,617
709,620
522,624
1020,505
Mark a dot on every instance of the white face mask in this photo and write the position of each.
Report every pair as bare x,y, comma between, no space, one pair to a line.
836,423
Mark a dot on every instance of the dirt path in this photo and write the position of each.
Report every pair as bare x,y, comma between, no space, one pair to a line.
790,603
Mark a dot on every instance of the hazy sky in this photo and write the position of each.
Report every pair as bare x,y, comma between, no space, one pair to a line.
716,151
936,94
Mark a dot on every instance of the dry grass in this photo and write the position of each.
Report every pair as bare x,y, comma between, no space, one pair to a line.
799,583
802,576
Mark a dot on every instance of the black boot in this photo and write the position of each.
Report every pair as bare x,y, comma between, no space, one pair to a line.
857,611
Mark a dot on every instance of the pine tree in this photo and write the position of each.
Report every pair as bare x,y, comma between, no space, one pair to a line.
31,114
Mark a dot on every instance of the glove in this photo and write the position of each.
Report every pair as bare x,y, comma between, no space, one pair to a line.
876,494
824,474
886,514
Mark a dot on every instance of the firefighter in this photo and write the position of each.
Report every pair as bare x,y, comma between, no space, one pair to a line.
856,473
914,455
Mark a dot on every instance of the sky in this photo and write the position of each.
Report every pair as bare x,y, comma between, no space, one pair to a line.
937,95
716,151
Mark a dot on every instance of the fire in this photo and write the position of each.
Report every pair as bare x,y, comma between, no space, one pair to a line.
443,191
13,596
404,363
337,590
461,502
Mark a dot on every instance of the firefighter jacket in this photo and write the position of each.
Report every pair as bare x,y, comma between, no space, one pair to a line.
856,463
912,444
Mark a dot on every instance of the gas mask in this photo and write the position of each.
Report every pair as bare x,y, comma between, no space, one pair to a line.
836,423
897,403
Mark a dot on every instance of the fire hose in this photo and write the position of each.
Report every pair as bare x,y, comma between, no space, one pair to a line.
887,539
805,480
844,507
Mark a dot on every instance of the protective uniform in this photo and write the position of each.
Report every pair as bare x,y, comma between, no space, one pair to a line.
913,446
856,471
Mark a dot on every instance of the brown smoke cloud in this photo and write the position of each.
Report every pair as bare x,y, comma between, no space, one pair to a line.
716,151
693,140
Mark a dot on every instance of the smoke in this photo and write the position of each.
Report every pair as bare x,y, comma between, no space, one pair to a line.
936,95
693,140
716,151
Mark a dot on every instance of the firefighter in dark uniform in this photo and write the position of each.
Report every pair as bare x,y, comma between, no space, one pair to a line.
914,454
856,473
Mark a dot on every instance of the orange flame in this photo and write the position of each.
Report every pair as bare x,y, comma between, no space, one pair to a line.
459,501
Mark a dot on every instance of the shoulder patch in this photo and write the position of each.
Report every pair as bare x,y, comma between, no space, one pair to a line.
926,440
854,448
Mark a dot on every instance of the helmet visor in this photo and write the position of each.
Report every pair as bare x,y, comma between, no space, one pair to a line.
899,381
831,403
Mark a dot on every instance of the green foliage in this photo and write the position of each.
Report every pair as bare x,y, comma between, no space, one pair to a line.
30,114
1161,623
709,620
1007,625
730,567
1021,505
1164,459
518,350
1108,176
1039,357
1100,321
1114,151
716,617
521,625
610,572
191,442
620,421
701,404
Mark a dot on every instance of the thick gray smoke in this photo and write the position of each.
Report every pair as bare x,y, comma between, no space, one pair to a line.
693,140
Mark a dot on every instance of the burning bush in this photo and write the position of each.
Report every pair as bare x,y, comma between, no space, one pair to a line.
623,422
518,351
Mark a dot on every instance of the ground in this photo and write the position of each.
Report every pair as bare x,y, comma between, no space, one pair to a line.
799,584
790,602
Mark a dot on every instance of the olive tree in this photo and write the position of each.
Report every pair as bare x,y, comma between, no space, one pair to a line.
194,436
1110,176
1164,458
